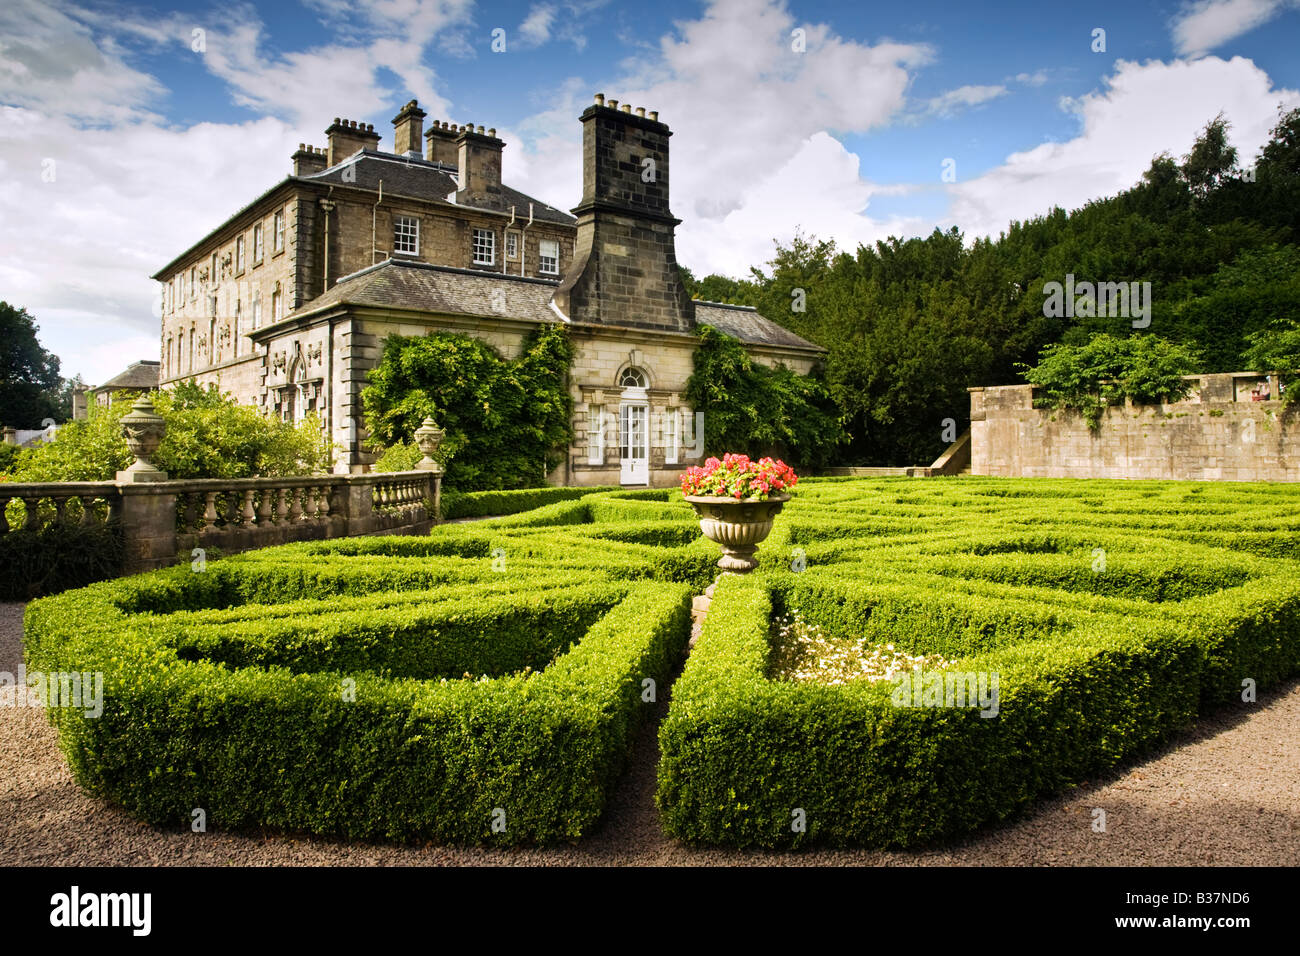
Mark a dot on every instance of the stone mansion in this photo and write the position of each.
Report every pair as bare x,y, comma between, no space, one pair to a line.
287,302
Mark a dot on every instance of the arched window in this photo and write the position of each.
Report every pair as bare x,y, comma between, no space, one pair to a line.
632,377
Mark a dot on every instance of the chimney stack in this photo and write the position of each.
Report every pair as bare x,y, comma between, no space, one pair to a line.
408,127
348,136
478,156
624,268
308,160
440,144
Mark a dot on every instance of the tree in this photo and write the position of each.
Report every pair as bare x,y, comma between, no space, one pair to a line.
29,375
209,435
1211,160
1144,368
1277,349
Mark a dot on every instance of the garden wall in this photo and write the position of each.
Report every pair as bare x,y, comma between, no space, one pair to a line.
1219,433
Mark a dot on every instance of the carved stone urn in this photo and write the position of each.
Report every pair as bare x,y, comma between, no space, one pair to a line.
737,525
428,437
143,429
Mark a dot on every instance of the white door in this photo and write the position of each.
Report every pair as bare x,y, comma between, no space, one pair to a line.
634,444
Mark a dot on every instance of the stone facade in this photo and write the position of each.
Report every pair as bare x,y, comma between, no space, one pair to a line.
484,260
1219,433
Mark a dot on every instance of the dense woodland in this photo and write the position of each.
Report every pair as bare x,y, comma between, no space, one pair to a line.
910,324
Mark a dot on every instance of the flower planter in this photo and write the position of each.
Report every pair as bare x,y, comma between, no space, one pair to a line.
739,526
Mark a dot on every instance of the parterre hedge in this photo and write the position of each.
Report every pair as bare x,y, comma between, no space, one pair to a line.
482,684
1107,623
479,685
480,504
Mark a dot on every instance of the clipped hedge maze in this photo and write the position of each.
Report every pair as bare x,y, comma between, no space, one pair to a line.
1111,613
483,684
479,685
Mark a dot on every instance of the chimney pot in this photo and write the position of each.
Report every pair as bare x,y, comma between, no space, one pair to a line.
620,216
440,142
613,104
478,162
492,132
640,111
346,137
408,127
600,99
654,115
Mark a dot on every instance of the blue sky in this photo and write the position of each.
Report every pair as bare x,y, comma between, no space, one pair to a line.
155,142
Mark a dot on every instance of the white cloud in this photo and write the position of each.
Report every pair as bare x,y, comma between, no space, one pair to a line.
743,105
818,190
949,103
51,62
1145,109
1037,78
536,28
1206,24
122,202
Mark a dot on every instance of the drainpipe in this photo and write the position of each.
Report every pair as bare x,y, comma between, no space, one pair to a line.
523,240
329,385
327,205
374,213
505,268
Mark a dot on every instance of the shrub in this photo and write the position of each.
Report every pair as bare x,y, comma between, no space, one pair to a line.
1107,369
760,411
480,504
1112,613
335,721
1106,627
209,435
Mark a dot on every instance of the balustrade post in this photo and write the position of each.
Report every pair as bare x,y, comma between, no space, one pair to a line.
210,513
148,515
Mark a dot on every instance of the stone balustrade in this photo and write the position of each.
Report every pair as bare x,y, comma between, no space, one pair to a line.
38,504
161,522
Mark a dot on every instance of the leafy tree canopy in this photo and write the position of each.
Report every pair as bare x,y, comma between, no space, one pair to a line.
911,324
209,435
30,385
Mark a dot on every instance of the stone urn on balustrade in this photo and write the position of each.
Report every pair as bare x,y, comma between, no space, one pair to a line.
143,428
739,526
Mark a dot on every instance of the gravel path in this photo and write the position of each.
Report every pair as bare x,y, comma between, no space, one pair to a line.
1225,792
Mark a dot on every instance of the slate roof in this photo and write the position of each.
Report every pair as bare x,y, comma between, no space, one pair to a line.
138,375
745,323
421,179
396,284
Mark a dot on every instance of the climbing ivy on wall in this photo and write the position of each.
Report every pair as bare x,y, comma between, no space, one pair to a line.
751,408
507,422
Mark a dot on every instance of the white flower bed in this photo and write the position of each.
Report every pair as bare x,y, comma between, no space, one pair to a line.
801,652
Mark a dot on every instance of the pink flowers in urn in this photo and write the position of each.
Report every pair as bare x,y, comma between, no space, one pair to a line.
740,477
